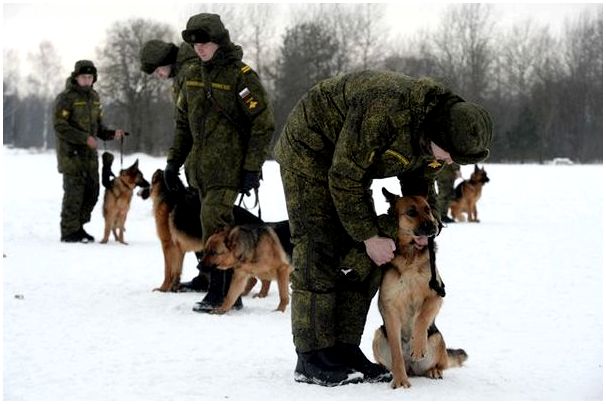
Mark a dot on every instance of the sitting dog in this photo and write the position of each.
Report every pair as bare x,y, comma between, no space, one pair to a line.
118,195
410,297
177,218
250,251
467,194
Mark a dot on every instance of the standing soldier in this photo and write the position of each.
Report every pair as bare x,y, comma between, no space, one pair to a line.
78,124
445,182
167,61
224,124
345,132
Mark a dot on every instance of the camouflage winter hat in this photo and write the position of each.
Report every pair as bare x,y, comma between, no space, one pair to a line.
85,67
467,134
156,53
205,27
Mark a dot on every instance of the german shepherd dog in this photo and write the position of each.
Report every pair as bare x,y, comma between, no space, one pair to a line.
252,251
177,217
467,194
117,198
409,343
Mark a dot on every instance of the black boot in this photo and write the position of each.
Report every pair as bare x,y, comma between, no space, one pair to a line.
85,235
446,219
200,282
217,290
319,367
352,356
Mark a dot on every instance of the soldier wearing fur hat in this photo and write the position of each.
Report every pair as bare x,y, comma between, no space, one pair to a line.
224,124
345,132
164,60
78,124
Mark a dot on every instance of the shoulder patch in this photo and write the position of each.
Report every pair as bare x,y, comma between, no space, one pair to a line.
245,69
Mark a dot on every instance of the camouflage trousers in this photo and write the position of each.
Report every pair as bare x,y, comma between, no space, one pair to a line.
445,193
216,210
80,195
327,307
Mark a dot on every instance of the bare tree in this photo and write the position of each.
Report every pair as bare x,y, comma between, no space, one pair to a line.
462,48
10,94
136,101
45,83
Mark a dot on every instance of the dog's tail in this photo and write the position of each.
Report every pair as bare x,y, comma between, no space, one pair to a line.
456,357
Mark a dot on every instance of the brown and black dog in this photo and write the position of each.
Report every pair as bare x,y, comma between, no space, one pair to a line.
252,251
177,218
409,343
117,198
467,194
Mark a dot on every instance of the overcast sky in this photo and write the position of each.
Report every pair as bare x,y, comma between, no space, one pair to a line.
77,27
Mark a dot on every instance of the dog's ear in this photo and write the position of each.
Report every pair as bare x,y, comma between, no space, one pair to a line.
391,198
476,168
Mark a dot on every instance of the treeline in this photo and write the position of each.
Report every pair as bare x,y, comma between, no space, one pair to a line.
544,92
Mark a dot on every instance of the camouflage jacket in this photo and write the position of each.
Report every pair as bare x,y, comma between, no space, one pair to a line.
361,126
78,114
185,56
224,122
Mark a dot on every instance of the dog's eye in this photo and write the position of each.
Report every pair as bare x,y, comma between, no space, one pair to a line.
412,212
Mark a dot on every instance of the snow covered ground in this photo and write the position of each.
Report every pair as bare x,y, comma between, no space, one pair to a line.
524,298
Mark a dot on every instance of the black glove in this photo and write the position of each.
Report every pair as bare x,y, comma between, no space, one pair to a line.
171,177
248,181
106,170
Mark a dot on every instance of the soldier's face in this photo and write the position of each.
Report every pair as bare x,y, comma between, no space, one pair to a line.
206,50
440,154
85,80
162,72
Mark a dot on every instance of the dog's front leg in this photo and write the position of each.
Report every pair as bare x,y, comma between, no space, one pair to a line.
393,326
427,314
237,286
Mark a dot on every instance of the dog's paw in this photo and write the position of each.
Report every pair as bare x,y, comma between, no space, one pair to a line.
260,295
219,310
402,382
418,351
434,373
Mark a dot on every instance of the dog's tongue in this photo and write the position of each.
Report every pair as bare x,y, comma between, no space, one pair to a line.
420,241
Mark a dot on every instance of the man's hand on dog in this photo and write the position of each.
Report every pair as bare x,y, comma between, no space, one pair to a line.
380,249
250,180
171,177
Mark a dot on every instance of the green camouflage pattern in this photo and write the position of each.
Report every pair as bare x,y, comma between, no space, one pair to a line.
445,182
351,129
221,139
211,24
328,305
185,56
80,195
78,114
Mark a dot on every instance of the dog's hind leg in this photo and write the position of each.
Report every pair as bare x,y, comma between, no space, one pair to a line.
265,284
109,220
252,281
170,251
283,273
177,269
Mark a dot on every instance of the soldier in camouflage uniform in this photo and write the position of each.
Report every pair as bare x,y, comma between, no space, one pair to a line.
224,124
167,61
78,125
445,182
345,132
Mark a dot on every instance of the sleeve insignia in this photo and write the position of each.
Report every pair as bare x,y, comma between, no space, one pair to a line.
248,99
435,164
